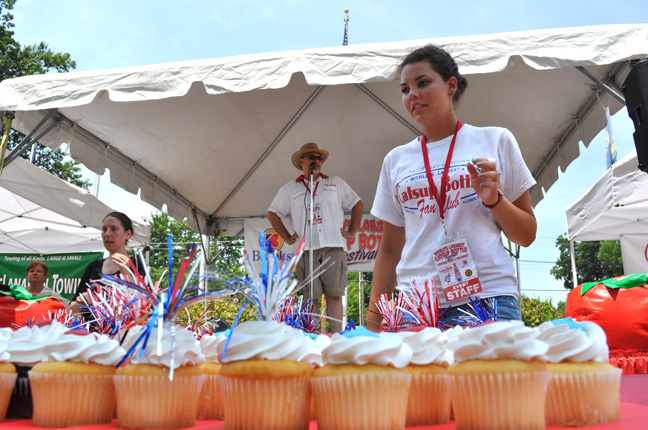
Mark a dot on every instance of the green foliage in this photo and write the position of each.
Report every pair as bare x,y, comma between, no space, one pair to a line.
594,261
228,251
16,61
225,310
536,311
54,162
163,226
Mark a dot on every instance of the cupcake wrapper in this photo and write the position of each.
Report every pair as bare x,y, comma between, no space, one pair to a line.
155,402
7,383
361,401
273,403
500,401
583,399
64,400
429,400
210,404
20,405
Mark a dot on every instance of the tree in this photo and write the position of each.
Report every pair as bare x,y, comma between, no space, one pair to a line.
536,311
163,226
594,261
228,251
16,61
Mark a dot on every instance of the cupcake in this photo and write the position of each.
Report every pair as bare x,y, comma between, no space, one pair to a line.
161,385
73,384
25,348
313,356
363,383
264,386
584,388
210,403
499,379
429,395
7,373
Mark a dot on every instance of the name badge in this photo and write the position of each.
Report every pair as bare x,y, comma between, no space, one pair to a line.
456,268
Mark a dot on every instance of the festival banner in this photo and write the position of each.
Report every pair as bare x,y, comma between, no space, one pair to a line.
361,250
64,270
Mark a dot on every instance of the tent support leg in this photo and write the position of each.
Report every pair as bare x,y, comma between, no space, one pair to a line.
269,149
26,142
601,84
361,298
573,263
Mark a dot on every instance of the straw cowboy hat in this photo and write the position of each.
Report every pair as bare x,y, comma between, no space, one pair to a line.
305,149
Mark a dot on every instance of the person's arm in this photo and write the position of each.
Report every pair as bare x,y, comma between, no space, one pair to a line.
516,219
356,217
384,277
280,228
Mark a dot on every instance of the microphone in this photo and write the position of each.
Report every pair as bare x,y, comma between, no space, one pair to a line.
311,167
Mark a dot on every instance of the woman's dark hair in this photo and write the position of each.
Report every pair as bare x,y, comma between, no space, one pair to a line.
123,219
37,263
441,62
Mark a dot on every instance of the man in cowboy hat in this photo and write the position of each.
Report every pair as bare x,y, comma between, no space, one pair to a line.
331,196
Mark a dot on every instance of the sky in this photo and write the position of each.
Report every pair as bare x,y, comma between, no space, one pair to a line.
119,33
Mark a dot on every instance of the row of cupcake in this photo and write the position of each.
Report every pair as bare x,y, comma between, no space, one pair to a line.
497,375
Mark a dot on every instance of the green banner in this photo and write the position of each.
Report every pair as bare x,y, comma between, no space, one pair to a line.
64,270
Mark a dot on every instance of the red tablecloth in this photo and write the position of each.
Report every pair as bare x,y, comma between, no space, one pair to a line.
634,413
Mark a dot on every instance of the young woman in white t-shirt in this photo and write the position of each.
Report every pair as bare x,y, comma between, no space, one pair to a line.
477,173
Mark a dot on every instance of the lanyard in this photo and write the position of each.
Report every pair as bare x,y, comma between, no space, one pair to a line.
303,181
444,179
315,190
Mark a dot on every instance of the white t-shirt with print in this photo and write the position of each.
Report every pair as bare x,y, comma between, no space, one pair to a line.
332,196
403,199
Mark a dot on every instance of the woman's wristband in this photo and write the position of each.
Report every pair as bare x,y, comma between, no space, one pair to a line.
497,202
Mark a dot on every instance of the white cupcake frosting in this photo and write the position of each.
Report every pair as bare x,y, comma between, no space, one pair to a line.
5,338
181,348
362,347
26,344
84,348
500,340
573,341
429,346
209,346
269,340
314,347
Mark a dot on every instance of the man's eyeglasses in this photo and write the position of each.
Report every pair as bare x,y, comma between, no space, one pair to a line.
314,157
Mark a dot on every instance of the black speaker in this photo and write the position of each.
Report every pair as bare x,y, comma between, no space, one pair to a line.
635,90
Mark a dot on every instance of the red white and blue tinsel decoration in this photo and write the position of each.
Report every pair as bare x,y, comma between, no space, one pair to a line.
417,305
162,305
272,291
481,311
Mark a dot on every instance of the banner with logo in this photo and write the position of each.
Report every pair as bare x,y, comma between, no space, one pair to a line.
361,250
64,270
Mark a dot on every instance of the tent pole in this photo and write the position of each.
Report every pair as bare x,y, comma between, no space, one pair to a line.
345,301
203,261
517,269
573,262
602,84
269,149
361,298
24,144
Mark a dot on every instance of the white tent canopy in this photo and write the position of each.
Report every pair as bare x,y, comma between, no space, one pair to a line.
615,208
42,214
212,139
